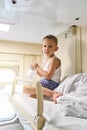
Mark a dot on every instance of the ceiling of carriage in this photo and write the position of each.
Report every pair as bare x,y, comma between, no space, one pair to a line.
31,20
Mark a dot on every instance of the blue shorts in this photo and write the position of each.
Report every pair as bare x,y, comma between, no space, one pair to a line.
50,84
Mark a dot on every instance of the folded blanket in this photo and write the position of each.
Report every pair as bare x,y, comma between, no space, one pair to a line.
73,102
74,109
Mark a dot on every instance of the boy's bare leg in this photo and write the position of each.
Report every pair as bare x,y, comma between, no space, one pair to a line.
46,92
29,89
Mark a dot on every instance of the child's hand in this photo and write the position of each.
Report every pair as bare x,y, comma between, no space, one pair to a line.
34,65
55,96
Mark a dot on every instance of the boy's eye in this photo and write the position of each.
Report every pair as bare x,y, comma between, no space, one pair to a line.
44,46
50,46
47,46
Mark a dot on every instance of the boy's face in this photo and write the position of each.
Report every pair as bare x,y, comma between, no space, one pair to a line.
49,47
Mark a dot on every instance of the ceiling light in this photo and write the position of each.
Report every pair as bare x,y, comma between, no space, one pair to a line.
4,27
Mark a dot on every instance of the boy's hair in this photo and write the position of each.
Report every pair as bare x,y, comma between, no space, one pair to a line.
51,37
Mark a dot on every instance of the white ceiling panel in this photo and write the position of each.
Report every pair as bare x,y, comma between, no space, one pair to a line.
31,20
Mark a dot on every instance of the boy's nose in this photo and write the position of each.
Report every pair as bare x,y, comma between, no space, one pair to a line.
47,48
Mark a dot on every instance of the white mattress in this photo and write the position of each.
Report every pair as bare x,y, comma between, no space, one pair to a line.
71,111
55,119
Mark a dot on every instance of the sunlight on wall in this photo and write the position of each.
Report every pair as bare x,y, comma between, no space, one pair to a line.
7,75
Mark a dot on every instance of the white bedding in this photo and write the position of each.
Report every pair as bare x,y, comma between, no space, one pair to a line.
71,111
55,119
73,103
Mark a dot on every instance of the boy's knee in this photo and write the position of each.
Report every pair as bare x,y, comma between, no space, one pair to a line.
24,89
29,90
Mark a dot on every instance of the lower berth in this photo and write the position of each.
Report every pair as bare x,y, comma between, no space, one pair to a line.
70,113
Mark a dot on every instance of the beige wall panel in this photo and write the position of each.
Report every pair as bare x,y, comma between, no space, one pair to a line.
20,48
79,50
67,54
84,48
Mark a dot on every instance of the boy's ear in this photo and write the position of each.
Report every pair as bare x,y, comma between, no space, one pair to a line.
56,49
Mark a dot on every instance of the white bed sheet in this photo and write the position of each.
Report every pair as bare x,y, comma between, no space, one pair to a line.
55,119
74,89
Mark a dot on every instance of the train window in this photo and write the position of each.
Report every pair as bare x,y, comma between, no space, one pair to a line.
7,75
